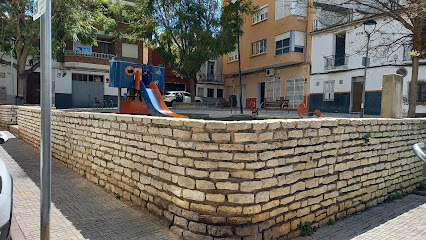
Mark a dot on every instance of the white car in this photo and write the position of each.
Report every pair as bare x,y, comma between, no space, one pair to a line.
6,186
171,96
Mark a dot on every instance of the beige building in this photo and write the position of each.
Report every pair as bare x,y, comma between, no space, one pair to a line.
275,54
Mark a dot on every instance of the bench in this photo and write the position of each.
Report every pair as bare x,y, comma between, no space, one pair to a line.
281,104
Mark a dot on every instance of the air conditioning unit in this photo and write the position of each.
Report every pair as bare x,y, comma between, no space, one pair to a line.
270,72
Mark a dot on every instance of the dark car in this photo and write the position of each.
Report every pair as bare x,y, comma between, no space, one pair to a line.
6,188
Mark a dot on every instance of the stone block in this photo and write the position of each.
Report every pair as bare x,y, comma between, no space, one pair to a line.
241,198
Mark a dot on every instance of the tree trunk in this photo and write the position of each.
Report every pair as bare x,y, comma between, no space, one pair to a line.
22,82
192,88
413,87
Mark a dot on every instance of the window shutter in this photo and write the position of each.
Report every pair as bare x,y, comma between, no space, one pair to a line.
299,38
282,36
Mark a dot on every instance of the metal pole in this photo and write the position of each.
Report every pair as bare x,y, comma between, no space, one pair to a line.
11,76
119,100
239,60
365,77
46,111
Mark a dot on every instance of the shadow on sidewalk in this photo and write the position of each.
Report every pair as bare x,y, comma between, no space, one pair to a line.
96,213
362,222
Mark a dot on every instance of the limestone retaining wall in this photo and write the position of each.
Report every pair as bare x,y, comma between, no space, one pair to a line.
237,180
7,115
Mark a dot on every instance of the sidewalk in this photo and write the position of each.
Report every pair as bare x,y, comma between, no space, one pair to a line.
80,209
401,219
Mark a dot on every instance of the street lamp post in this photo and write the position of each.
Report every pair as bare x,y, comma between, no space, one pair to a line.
239,57
369,22
12,42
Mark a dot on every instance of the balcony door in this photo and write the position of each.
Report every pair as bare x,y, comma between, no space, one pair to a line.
340,50
210,70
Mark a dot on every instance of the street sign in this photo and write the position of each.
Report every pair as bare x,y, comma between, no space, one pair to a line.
402,71
39,8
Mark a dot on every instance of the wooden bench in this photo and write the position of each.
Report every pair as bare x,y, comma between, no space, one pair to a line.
281,104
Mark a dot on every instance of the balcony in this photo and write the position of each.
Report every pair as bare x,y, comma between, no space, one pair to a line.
336,62
90,54
210,78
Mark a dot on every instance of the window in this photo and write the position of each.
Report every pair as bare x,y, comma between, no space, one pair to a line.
104,47
282,46
293,41
219,93
260,15
210,92
273,88
233,56
258,47
294,91
129,50
200,92
299,41
87,77
328,91
79,47
284,8
421,91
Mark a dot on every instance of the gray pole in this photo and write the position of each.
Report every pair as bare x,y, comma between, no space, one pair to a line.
46,111
119,100
11,75
365,77
239,60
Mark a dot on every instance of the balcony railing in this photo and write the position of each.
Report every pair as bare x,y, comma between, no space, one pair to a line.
217,78
336,62
91,54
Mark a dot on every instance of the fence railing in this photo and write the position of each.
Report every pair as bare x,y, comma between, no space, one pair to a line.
336,61
211,78
91,54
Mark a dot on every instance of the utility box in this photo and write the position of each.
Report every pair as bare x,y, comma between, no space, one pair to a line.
392,96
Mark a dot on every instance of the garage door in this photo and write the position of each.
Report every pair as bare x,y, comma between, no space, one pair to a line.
85,88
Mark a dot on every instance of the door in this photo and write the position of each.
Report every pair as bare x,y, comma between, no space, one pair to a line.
210,70
294,92
340,50
186,97
357,86
33,88
260,94
84,91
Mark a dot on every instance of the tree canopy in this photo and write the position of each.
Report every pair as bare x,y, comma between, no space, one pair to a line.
72,20
186,33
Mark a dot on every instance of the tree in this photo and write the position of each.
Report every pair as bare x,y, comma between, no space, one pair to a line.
186,33
411,16
72,20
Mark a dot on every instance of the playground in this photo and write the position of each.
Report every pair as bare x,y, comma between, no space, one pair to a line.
145,89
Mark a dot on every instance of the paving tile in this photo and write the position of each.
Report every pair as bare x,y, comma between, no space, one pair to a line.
80,209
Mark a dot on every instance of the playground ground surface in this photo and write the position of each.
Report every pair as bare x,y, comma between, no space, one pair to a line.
229,114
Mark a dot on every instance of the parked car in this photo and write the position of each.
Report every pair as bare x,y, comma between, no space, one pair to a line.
178,96
6,188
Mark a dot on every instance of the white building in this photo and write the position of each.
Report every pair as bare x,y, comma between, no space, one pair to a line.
210,81
337,69
82,77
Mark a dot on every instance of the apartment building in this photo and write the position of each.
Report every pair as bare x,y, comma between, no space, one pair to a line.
275,54
338,61
210,84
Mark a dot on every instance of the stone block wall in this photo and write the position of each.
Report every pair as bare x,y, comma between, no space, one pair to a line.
7,115
237,180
